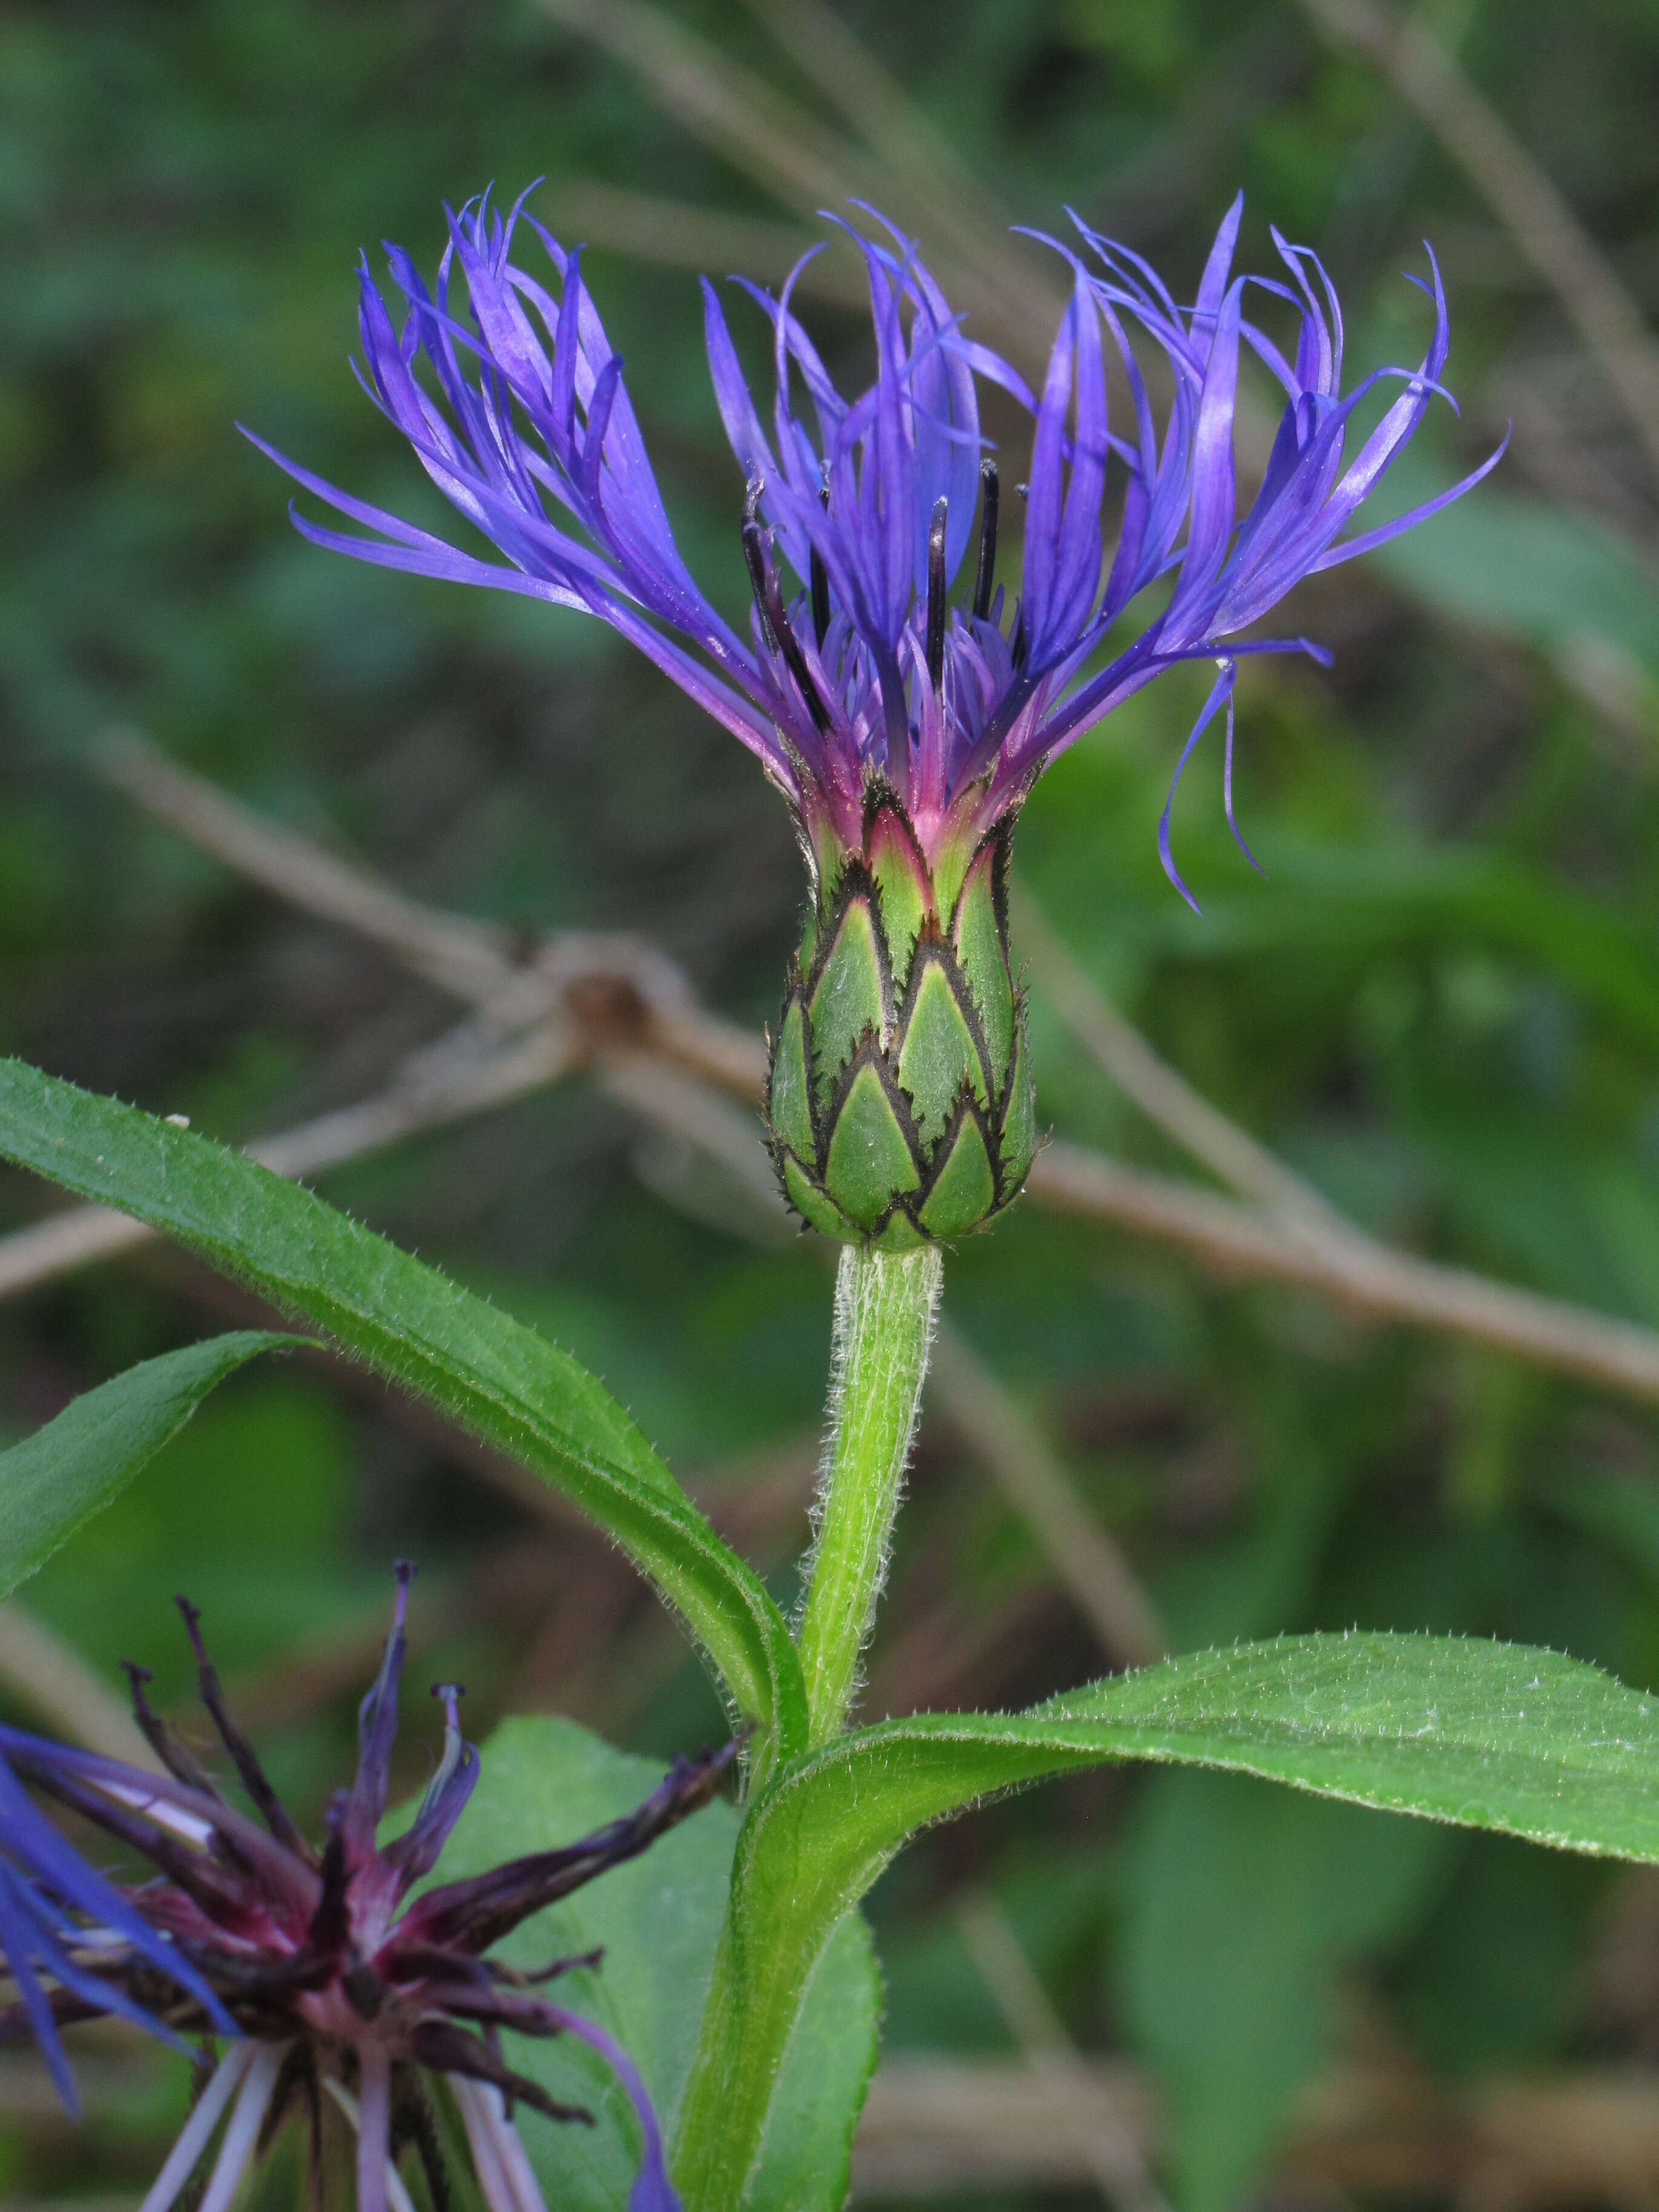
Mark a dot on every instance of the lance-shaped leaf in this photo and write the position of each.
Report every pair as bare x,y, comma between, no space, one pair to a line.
1487,1735
59,1478
488,1371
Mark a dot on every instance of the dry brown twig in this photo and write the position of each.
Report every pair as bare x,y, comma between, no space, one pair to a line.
677,235
953,2128
807,166
1166,1098
433,1092
1085,1558
622,1000
625,1000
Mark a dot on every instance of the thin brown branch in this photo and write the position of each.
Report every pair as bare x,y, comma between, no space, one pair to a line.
925,178
1293,1234
939,2128
1235,1241
737,114
877,108
1163,1095
466,957
1517,189
808,167
945,2128
625,1000
454,1089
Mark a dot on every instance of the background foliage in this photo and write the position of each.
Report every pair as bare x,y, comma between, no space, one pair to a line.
1440,1004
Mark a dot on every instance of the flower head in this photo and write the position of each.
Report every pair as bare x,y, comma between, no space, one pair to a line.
330,1982
901,697
891,653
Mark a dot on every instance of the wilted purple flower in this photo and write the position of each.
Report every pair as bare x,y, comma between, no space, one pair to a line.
904,725
329,1983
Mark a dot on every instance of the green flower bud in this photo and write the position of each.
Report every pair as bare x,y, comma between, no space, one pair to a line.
899,1104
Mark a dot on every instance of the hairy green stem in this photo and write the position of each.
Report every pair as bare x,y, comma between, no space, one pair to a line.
885,1307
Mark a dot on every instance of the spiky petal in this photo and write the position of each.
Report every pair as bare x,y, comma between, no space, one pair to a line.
863,667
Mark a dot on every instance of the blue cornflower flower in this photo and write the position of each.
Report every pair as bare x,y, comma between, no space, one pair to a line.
326,1981
903,726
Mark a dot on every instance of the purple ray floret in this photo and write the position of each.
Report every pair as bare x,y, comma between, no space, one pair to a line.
48,1896
330,1982
876,651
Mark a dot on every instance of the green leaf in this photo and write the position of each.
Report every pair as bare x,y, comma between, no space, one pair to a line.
1484,1734
55,1480
485,1370
544,1782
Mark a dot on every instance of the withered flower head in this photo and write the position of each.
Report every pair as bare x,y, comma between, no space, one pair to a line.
326,1979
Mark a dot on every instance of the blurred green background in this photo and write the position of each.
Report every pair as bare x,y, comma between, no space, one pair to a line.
1441,1004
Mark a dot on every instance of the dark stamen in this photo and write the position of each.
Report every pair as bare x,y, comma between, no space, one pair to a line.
211,1886
253,1775
270,1807
820,581
754,552
936,595
1018,649
775,621
986,579
328,1929
476,1911
169,1746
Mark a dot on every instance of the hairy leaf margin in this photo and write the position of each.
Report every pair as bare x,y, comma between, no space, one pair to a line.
492,1374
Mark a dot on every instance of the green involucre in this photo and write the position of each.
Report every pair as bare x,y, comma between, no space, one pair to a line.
899,1101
